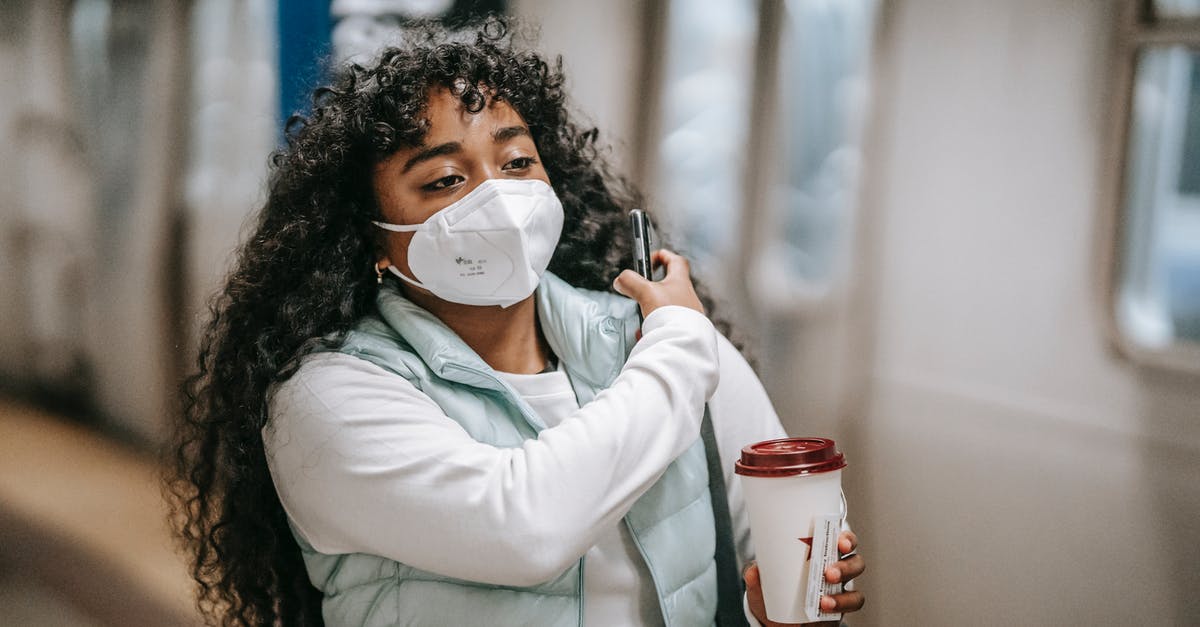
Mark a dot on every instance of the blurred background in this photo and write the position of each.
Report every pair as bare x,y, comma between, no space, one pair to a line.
962,238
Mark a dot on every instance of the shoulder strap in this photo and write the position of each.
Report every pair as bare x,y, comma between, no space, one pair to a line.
729,581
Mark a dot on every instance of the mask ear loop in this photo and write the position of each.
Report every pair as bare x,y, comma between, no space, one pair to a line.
396,271
399,228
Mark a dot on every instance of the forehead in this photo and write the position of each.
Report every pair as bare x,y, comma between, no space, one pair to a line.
449,119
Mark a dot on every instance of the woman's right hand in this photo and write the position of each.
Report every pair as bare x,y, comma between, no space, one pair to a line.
675,289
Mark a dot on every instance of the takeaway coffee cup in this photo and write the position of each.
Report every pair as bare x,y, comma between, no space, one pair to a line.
793,489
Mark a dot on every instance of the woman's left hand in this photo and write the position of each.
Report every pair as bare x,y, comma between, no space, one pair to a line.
843,572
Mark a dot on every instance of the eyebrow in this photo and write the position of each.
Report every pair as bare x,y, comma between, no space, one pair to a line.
447,148
509,132
500,136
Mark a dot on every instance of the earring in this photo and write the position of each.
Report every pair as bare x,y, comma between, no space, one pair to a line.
378,274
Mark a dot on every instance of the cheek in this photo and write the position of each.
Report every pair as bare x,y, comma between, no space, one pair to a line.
395,206
397,243
395,199
395,246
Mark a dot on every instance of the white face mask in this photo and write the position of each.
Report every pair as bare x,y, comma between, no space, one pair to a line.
488,248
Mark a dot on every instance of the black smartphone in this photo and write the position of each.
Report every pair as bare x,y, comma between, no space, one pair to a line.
644,242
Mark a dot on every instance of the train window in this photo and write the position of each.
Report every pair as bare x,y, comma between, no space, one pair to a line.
1156,296
823,89
1176,9
759,152
708,69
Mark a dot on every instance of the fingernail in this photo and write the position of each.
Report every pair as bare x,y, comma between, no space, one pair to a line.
827,603
833,574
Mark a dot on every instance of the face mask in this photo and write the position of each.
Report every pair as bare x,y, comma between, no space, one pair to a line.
488,248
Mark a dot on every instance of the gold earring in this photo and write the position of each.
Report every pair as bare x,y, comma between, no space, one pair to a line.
378,274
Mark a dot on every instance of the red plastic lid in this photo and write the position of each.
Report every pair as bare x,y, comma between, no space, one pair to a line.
790,456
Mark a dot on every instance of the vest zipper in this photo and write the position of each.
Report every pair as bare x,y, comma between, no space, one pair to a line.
527,412
580,584
649,567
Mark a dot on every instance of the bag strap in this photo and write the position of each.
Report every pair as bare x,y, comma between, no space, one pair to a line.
729,581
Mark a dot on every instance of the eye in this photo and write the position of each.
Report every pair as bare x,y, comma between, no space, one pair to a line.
520,163
445,182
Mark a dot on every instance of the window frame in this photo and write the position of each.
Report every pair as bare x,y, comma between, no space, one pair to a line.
1136,29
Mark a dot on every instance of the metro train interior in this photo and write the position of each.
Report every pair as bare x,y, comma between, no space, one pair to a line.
960,238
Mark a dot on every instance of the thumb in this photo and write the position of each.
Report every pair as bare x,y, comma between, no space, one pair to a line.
630,284
754,597
750,575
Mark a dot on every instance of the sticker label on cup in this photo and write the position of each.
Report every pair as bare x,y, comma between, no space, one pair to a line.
824,553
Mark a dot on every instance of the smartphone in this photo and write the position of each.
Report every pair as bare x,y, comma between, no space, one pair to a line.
644,242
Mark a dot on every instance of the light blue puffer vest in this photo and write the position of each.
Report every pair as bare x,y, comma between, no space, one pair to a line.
592,334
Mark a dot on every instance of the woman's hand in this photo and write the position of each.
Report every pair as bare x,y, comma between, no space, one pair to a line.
675,289
843,572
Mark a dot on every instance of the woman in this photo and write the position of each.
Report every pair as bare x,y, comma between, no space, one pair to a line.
402,418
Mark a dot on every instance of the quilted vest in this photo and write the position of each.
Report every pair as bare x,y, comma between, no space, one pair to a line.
592,334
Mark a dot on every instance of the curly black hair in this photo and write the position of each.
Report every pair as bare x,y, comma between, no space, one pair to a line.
305,277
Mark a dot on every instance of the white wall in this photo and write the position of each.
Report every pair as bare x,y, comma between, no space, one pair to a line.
1011,469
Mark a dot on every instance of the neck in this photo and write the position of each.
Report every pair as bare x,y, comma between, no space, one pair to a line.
507,339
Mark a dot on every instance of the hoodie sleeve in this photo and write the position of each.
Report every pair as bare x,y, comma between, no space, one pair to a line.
365,462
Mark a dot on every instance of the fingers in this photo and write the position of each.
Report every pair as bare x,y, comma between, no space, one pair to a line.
851,565
631,284
849,601
675,289
674,264
753,586
754,597
845,570
844,602
750,574
847,542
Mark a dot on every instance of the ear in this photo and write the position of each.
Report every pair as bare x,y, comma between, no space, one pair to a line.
381,266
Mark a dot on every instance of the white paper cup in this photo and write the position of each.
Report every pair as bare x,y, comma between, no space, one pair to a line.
788,483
